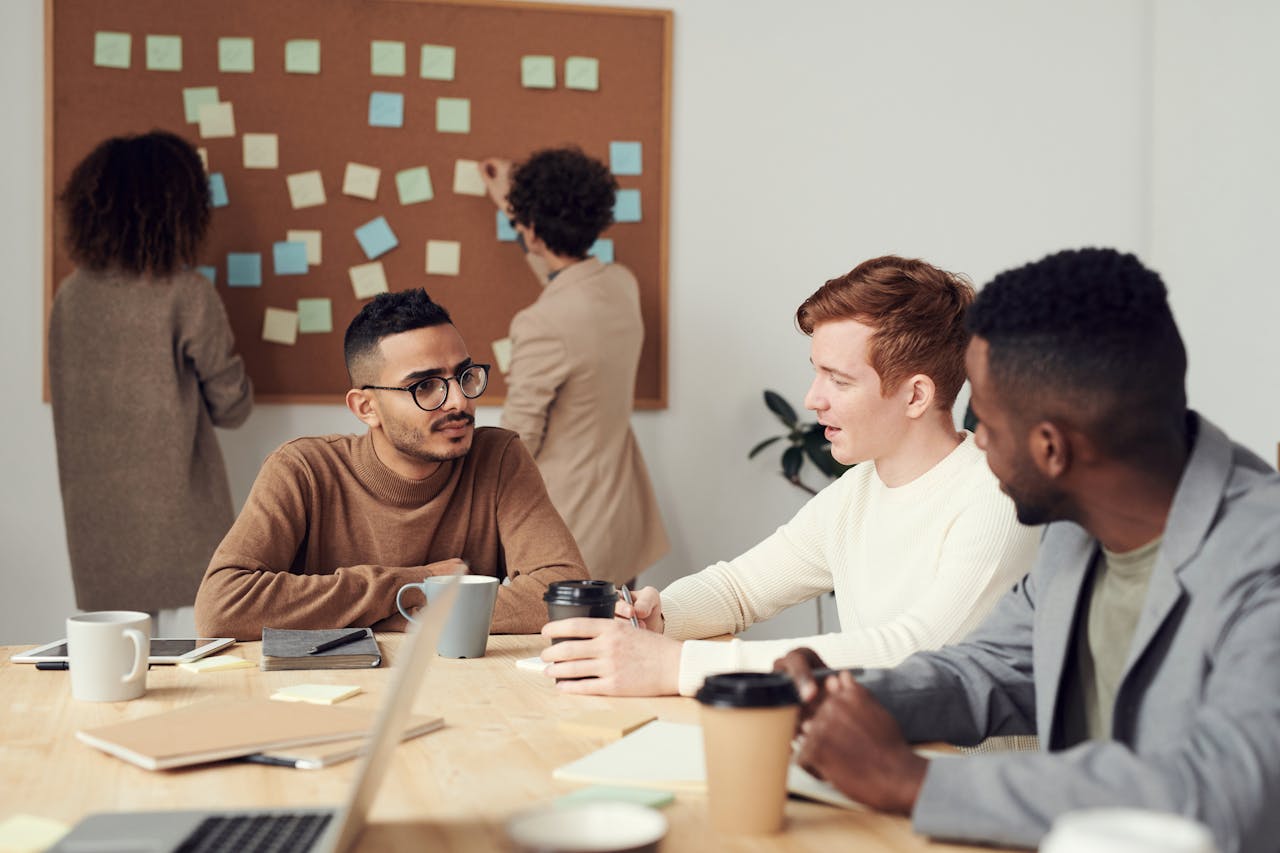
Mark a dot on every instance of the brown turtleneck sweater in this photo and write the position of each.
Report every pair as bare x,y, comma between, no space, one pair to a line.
329,535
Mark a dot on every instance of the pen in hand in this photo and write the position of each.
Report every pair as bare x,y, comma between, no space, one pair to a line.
339,641
626,596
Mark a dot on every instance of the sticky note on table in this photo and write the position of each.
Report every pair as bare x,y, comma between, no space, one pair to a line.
414,185
467,179
112,50
444,257
235,55
538,72
24,832
625,158
217,663
602,249
316,694
582,72
218,190
376,237
368,280
529,664
244,269
302,56
311,239
289,258
605,724
437,62
306,189
627,206
164,53
280,326
315,316
506,231
217,121
210,273
453,115
261,151
650,797
195,97
386,109
386,58
361,181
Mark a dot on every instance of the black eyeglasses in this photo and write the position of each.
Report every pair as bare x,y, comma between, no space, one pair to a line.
432,392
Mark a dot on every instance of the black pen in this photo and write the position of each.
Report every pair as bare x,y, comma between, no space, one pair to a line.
822,672
339,641
53,664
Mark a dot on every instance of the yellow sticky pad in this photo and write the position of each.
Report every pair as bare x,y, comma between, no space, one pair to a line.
23,832
217,663
605,724
316,694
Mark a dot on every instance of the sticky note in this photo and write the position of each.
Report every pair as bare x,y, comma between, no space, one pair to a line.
204,157
210,273
605,724
376,237
386,58
453,115
444,257
506,232
164,53
361,181
627,206
582,72
368,280
218,190
196,96
467,179
315,315
602,249
437,62
414,185
538,72
386,109
280,326
311,239
530,664
316,694
217,121
624,158
244,269
289,258
112,50
306,189
217,663
261,151
235,55
654,799
302,56
24,832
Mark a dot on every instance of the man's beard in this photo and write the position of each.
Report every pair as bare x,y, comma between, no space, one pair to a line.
411,442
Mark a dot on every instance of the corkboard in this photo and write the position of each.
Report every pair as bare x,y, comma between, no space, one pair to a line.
322,123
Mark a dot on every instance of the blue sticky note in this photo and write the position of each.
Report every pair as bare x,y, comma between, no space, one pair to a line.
624,158
244,269
376,238
290,258
506,233
386,109
217,190
210,273
602,249
627,206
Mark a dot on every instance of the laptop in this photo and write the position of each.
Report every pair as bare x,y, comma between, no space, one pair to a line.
285,829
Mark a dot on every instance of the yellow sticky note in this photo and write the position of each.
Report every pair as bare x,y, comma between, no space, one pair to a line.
582,72
280,327
437,62
502,353
538,72
235,55
217,121
444,257
261,151
112,50
311,239
20,833
204,157
316,694
605,724
368,280
217,663
361,181
386,58
164,53
467,179
306,189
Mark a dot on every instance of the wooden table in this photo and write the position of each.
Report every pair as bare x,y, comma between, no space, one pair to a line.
451,790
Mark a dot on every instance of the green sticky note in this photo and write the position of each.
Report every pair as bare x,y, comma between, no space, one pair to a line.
414,185
437,62
196,96
315,315
164,53
302,56
610,794
582,72
453,115
538,72
235,55
111,50
386,58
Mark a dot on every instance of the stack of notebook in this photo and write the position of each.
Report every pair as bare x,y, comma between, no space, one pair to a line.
286,648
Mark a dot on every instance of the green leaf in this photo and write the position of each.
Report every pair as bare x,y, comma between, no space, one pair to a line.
818,449
792,459
781,408
762,445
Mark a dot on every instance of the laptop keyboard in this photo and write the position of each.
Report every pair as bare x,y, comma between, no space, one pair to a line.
257,833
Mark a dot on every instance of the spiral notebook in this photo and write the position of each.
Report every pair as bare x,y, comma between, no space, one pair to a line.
287,648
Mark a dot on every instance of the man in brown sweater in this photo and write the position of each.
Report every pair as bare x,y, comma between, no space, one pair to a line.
335,525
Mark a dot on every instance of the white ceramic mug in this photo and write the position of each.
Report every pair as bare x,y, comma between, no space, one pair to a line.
107,653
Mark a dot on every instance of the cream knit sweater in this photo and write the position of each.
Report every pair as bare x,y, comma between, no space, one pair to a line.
913,568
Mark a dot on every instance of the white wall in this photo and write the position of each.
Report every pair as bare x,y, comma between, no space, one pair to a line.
808,136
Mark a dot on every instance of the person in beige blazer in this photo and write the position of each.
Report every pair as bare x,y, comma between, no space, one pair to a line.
574,353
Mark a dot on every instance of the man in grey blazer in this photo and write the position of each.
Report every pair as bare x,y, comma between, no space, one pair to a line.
1144,646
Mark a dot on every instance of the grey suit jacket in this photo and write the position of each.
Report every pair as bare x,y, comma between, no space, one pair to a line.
1197,715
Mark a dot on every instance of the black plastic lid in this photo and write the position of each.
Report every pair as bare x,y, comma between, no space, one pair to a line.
748,690
580,592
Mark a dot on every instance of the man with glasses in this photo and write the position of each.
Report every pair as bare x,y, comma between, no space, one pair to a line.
335,525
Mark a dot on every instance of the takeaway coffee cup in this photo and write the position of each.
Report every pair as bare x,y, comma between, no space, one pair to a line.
1118,830
466,631
107,653
748,720
567,599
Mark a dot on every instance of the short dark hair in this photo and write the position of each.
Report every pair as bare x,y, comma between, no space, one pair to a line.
565,196
1086,336
139,204
388,314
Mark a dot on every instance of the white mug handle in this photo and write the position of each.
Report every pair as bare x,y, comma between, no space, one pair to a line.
139,655
399,593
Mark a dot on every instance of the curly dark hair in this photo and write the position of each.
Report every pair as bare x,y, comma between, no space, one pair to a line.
565,196
139,204
388,314
1086,335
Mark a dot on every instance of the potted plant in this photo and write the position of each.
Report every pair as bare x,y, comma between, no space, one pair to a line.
805,440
